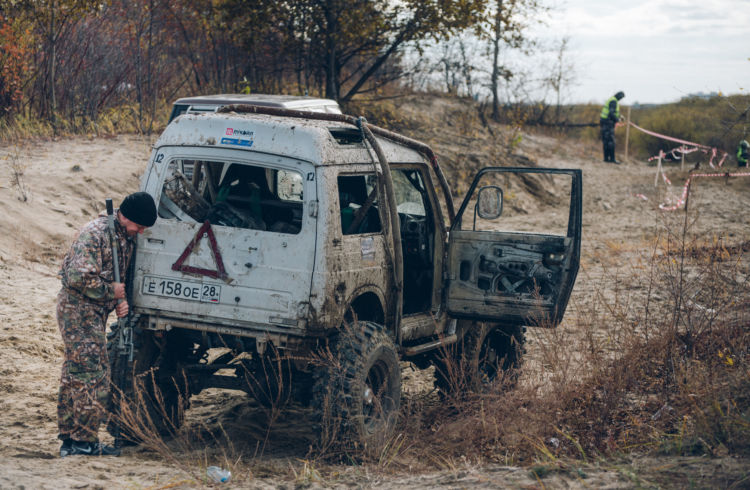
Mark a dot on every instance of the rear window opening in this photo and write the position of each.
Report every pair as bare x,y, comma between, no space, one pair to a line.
233,194
346,136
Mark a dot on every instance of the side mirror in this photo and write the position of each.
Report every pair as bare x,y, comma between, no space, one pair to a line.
490,202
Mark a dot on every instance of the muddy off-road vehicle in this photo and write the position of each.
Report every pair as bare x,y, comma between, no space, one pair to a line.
300,256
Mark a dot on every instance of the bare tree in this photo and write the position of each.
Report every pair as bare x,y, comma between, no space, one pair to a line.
507,29
52,19
352,43
561,76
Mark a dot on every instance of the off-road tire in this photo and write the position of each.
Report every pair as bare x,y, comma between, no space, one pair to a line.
357,393
487,354
155,390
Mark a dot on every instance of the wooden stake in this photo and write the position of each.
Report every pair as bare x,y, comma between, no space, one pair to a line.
658,169
682,158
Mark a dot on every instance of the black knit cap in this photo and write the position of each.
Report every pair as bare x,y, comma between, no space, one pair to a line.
139,208
619,95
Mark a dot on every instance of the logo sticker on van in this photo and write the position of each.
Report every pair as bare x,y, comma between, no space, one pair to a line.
237,140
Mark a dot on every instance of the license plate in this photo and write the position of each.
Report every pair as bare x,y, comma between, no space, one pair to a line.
189,290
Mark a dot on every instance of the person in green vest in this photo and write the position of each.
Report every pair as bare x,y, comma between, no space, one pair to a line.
609,117
742,153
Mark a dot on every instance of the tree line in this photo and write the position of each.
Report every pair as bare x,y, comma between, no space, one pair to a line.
79,59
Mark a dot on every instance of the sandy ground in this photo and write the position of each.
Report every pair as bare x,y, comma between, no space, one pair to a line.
65,183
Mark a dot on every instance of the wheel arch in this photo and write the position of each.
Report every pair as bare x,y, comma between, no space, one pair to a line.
366,304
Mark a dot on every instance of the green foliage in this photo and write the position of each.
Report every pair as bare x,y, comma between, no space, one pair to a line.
720,122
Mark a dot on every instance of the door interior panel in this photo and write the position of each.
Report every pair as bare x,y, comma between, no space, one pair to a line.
524,276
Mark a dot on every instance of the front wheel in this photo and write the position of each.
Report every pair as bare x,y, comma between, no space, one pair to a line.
488,355
357,392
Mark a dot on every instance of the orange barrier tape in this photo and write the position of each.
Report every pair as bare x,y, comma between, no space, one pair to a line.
681,200
668,138
695,146
680,149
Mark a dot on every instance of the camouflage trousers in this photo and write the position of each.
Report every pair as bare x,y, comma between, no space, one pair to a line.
84,383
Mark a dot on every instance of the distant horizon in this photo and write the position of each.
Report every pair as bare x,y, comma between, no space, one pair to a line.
656,51
704,95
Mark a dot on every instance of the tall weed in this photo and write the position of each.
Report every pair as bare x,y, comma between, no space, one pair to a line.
654,360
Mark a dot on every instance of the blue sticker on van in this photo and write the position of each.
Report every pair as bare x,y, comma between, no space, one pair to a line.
236,141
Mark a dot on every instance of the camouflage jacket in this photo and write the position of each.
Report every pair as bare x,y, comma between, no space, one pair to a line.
87,270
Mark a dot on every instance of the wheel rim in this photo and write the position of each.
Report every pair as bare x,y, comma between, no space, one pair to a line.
488,362
376,400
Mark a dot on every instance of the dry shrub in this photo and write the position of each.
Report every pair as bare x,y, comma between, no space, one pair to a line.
187,450
16,171
384,113
147,418
327,423
654,360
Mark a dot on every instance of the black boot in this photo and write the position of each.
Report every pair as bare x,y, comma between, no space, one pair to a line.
91,449
66,448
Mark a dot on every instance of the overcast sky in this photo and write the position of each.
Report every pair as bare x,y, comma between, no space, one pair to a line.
654,50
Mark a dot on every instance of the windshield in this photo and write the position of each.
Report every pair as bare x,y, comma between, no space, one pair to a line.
236,194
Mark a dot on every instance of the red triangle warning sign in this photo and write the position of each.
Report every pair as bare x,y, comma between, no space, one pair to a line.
204,231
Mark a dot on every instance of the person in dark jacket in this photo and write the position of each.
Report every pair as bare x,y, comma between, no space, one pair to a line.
87,297
742,153
610,115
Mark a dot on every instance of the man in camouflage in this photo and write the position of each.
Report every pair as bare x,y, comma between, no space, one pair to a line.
87,297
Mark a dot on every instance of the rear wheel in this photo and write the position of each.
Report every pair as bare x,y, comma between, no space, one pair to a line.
357,394
155,390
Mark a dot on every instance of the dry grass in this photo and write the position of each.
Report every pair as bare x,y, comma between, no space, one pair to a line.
191,448
16,172
667,373
653,361
659,372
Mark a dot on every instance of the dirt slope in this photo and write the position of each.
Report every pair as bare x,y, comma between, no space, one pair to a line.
66,183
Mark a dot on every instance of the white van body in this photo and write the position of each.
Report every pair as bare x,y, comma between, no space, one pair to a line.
269,275
282,235
211,103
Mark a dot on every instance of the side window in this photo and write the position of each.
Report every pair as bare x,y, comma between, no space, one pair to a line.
408,189
233,194
358,202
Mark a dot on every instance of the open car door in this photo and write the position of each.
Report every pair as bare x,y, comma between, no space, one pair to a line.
515,245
